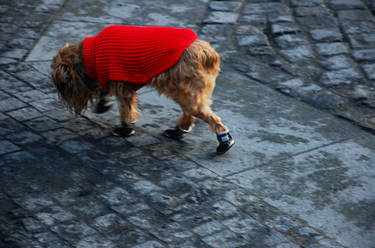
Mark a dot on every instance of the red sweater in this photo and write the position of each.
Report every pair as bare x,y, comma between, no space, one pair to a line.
134,54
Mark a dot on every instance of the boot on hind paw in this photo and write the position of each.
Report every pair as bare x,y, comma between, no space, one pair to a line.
176,133
225,142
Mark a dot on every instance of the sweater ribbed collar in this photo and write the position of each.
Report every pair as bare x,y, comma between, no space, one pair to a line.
88,51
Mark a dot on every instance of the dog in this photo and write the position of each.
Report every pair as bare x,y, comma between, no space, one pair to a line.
119,60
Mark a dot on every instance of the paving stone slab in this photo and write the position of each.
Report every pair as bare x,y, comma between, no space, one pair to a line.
290,87
3,95
222,17
337,62
298,54
74,231
76,146
367,55
347,76
224,239
284,28
263,8
46,238
17,157
95,241
316,11
334,48
370,71
42,124
258,71
325,100
355,15
25,137
290,40
10,104
347,4
58,136
326,35
24,114
252,40
253,19
32,95
230,6
6,147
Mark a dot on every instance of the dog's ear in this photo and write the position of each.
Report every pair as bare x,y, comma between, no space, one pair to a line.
61,77
67,78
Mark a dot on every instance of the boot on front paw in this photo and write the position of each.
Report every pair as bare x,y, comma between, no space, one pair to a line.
175,133
226,142
124,131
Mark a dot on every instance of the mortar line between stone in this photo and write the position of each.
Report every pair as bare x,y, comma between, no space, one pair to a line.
287,157
44,30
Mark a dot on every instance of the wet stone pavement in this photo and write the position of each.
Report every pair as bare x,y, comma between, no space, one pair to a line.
296,89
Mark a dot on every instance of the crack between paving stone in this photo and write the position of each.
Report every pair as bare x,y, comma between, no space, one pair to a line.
50,22
288,157
91,22
20,79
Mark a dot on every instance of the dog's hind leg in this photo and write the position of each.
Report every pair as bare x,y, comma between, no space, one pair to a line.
200,101
222,132
186,121
206,114
184,124
199,106
214,121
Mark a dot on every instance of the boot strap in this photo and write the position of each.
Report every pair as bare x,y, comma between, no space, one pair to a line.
183,130
223,136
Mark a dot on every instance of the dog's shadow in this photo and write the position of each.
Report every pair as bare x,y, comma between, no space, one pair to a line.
189,147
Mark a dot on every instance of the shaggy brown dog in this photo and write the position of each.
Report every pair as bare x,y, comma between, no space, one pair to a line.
190,83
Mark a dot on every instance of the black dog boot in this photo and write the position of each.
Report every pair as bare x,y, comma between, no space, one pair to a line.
104,103
175,133
226,142
124,131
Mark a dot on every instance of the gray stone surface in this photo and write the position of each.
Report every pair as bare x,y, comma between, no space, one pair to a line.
326,35
305,176
334,48
370,71
298,176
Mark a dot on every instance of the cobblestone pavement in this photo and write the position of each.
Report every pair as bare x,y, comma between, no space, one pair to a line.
297,177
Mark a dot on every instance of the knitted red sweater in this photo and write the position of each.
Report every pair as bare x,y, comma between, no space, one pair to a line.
134,54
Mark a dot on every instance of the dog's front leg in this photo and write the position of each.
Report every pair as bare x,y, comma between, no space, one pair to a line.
127,102
104,103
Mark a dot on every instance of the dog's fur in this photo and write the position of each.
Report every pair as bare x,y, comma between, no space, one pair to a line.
189,83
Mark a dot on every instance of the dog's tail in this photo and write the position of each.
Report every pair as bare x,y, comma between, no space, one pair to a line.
210,58
205,55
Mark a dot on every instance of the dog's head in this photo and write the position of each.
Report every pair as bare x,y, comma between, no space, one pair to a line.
67,70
